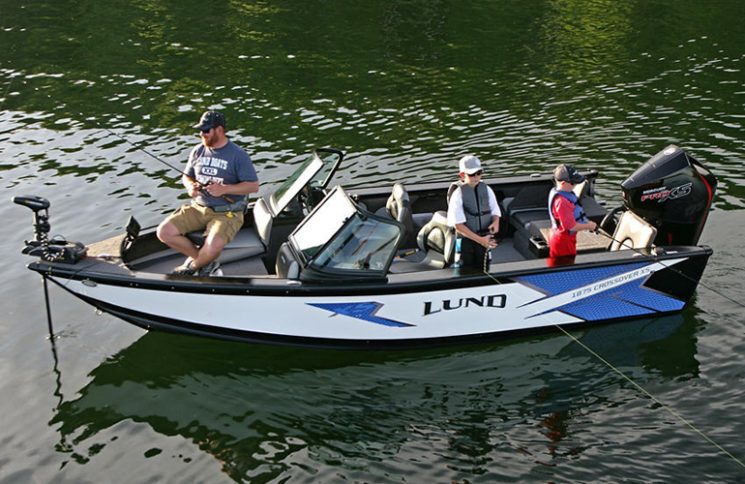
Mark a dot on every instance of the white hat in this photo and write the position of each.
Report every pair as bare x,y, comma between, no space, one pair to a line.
469,164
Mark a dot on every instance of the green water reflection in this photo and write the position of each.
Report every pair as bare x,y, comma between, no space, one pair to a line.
257,409
409,79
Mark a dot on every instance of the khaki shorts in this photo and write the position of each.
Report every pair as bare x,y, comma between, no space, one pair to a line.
193,217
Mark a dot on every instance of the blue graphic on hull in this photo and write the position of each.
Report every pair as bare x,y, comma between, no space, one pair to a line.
364,311
552,283
627,300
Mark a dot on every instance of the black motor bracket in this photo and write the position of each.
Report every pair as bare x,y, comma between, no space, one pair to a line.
56,250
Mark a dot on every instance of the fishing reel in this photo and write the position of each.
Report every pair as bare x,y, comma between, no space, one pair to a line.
55,250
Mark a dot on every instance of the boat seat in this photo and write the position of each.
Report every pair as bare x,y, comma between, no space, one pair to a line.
245,244
398,207
524,218
632,232
437,240
580,189
531,205
528,216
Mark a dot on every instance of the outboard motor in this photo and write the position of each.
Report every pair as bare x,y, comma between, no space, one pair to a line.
673,192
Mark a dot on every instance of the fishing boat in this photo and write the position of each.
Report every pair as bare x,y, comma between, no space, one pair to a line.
316,264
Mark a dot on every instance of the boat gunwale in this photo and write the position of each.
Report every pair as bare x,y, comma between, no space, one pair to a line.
405,283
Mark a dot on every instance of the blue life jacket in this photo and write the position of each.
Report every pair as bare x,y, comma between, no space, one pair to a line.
579,213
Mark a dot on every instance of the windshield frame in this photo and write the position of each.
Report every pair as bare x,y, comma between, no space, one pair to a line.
324,222
310,171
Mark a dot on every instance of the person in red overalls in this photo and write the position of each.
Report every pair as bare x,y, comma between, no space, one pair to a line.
567,216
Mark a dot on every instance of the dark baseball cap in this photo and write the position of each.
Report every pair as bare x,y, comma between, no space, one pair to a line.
209,120
568,173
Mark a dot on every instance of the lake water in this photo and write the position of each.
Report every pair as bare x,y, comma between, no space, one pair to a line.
404,88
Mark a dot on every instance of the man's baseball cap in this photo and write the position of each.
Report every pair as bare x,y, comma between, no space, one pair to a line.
469,164
568,173
209,120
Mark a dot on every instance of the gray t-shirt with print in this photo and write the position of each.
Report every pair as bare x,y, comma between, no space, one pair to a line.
227,165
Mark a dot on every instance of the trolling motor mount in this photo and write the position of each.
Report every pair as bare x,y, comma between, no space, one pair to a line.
56,250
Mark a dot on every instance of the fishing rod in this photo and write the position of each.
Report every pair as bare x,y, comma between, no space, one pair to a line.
649,256
201,185
156,158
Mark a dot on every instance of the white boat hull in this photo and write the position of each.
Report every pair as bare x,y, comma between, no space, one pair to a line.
529,302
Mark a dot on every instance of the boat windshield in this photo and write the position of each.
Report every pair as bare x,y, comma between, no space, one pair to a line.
338,236
364,243
294,183
313,170
323,223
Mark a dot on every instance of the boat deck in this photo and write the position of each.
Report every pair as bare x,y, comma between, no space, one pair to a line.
409,262
523,234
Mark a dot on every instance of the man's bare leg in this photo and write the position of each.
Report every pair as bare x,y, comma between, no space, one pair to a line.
170,235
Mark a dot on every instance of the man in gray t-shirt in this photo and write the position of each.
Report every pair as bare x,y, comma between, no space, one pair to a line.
219,176
226,165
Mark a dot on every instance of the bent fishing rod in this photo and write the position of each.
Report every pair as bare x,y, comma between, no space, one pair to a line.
653,257
643,390
201,185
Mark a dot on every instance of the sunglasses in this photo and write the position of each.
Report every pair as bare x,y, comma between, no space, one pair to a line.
207,130
478,173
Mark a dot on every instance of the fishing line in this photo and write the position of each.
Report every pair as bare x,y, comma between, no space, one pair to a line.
675,270
7,89
201,185
10,82
656,400
653,398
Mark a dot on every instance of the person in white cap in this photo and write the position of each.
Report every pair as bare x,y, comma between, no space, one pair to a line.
474,213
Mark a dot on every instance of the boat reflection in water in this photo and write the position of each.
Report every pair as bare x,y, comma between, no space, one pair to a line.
265,412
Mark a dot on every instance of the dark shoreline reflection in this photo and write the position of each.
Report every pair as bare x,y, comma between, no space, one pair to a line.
256,409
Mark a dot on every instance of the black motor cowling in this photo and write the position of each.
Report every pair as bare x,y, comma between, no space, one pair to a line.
673,192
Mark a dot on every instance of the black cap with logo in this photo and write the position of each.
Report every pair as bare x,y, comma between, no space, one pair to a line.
209,120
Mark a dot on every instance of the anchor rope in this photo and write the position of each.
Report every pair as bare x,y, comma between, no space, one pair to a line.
636,385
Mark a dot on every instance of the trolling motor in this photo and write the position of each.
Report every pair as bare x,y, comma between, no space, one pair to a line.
673,192
55,250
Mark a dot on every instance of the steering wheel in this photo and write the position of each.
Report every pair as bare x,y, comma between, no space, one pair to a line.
608,224
305,199
309,196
